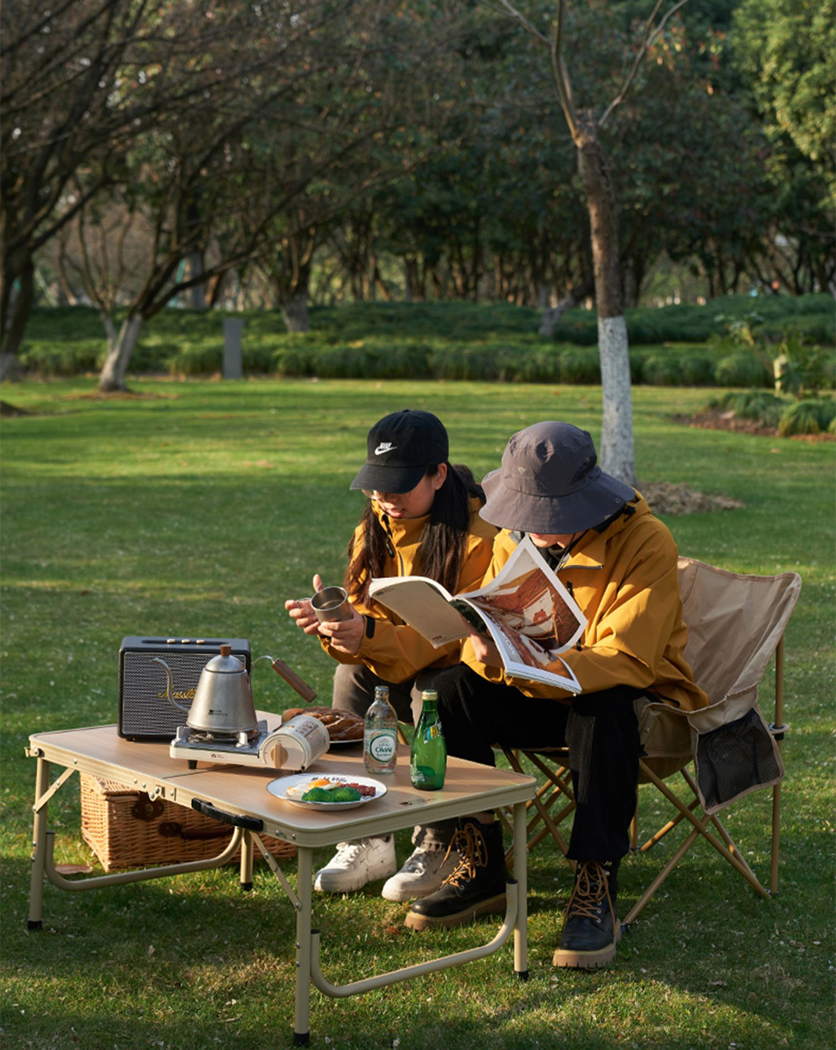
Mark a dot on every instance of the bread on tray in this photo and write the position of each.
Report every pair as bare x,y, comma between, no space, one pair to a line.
341,725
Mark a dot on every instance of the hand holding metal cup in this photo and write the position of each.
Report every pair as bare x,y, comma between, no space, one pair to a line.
331,604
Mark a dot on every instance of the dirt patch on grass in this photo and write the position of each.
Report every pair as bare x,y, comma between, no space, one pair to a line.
724,419
663,497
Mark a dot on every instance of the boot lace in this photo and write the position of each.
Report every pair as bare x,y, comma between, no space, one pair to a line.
591,890
469,843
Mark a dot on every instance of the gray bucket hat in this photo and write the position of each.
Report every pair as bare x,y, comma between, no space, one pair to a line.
549,482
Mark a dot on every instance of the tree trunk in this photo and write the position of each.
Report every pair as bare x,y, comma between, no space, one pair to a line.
115,369
18,306
294,310
196,295
617,455
552,314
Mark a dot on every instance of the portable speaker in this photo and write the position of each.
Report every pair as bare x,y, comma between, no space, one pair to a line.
144,710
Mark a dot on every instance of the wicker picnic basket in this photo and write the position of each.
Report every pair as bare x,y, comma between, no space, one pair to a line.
127,829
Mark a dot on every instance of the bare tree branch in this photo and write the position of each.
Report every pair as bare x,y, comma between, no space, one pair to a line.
649,36
561,77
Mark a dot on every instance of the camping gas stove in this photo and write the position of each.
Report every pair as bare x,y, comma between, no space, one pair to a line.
294,746
242,748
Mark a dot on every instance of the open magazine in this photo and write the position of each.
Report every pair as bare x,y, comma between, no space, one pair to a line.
526,610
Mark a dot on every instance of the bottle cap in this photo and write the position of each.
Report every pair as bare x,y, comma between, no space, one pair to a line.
381,690
429,694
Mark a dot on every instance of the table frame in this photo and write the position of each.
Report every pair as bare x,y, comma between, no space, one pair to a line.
161,777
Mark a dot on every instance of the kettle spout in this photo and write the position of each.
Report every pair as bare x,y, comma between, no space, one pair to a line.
169,689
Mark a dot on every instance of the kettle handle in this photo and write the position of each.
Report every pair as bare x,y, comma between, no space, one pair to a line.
169,688
292,678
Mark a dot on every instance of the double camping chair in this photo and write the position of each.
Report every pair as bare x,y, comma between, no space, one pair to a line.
735,624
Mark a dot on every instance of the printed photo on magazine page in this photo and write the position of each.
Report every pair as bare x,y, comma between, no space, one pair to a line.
531,617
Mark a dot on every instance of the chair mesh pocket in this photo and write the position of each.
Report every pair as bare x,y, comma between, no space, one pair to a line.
736,758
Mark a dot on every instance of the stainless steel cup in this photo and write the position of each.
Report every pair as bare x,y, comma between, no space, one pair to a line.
331,603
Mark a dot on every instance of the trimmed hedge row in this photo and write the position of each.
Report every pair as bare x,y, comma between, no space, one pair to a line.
306,356
567,364
443,340
810,316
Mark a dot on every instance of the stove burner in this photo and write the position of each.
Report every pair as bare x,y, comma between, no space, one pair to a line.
224,747
230,739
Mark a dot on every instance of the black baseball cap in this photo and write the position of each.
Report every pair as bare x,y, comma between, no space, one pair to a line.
401,447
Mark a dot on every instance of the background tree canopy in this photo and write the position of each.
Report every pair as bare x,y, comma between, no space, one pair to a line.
338,151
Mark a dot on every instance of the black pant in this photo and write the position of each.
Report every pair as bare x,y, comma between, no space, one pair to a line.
600,730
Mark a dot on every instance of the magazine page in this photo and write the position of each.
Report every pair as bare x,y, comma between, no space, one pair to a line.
527,595
531,617
424,605
522,657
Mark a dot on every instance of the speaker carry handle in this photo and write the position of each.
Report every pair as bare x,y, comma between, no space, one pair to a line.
237,820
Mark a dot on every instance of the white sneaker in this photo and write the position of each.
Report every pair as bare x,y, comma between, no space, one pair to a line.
356,863
422,874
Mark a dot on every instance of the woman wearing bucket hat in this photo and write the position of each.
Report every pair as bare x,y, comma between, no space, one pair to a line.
421,518
620,564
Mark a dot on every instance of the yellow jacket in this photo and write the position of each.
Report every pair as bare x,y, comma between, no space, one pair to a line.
390,648
626,583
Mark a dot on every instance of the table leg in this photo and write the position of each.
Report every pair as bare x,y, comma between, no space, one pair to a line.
247,853
36,886
304,877
521,876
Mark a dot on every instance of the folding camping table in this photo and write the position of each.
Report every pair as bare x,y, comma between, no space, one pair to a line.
238,795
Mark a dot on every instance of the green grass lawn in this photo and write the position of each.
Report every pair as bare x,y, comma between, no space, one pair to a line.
196,509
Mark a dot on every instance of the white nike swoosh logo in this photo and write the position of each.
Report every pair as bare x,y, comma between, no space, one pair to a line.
384,448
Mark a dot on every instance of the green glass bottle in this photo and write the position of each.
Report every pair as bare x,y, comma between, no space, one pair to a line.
428,758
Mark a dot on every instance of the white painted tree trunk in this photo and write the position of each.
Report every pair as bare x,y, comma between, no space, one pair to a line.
616,452
115,369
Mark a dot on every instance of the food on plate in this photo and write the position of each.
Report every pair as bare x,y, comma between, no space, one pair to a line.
336,793
328,789
341,725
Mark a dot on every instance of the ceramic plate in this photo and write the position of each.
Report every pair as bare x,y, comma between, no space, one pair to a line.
292,788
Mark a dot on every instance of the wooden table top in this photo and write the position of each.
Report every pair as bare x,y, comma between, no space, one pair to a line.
468,786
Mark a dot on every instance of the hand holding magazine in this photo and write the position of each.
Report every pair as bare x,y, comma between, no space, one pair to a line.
526,610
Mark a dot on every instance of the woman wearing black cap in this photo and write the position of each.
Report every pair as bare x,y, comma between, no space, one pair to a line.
421,518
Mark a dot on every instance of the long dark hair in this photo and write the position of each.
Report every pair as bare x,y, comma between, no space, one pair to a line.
443,542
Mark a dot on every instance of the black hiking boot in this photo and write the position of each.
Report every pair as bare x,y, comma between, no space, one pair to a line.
591,929
476,886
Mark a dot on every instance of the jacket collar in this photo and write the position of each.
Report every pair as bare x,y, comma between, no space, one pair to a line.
402,530
408,530
590,551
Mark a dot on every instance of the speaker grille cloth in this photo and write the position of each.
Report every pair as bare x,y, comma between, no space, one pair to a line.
145,710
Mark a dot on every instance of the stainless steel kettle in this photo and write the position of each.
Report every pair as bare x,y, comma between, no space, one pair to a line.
223,700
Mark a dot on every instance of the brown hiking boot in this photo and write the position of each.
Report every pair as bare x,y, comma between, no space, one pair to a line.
591,929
